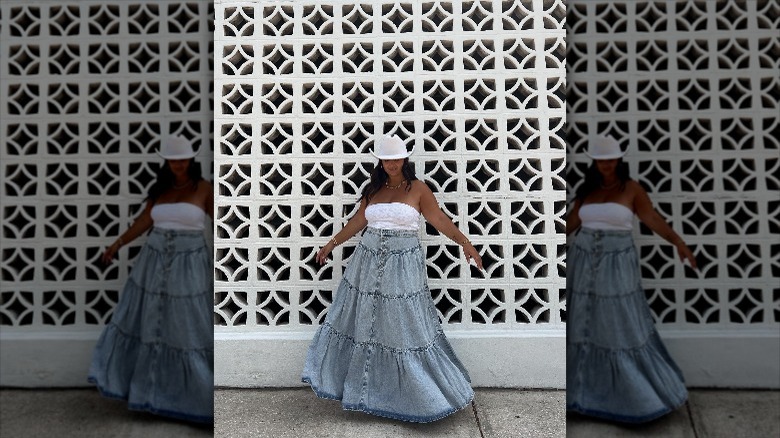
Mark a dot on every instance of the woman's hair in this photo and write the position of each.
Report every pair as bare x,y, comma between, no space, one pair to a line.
165,179
379,178
593,179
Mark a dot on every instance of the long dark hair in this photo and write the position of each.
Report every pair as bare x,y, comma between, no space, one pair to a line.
165,179
379,178
593,179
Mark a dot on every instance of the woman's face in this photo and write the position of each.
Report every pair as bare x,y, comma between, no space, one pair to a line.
393,167
607,167
179,167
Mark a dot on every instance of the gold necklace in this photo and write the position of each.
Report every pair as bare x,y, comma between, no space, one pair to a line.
175,187
387,184
611,186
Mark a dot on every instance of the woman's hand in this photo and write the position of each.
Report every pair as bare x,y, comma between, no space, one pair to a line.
322,254
109,253
471,253
685,253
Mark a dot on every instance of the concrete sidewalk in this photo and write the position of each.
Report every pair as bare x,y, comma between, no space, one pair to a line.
83,413
272,413
709,413
297,412
294,413
496,413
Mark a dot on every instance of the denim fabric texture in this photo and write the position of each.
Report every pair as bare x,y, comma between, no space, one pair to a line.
617,368
157,352
381,349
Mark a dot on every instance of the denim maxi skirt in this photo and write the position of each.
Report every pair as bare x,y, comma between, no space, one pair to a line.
617,368
381,349
157,352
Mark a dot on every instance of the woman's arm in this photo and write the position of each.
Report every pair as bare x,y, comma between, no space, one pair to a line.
573,220
353,226
647,214
429,208
142,223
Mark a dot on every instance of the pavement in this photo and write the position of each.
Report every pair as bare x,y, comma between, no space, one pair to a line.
83,413
296,412
709,413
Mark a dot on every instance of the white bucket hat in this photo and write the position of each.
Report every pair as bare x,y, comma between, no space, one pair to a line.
176,147
601,147
390,148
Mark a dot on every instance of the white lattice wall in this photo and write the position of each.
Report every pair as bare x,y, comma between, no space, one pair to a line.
692,90
86,90
302,90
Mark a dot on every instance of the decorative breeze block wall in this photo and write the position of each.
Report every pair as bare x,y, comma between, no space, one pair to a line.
692,90
304,88
88,88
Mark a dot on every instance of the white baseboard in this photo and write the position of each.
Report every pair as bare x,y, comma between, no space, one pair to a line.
717,359
46,359
749,359
493,359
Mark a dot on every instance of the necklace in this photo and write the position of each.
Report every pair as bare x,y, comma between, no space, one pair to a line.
611,186
179,187
387,184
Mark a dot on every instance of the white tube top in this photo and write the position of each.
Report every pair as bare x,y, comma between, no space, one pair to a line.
606,216
393,216
179,216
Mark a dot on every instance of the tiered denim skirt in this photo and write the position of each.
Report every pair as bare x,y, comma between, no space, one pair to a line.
381,349
617,368
157,352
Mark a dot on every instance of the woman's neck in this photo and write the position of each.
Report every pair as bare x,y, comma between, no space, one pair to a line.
610,181
394,181
181,181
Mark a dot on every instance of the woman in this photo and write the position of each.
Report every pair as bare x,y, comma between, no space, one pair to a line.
617,367
157,351
381,349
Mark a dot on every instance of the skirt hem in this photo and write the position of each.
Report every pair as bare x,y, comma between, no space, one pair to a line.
382,413
629,419
147,407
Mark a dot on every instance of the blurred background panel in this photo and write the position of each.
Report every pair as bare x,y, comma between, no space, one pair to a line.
691,89
87,88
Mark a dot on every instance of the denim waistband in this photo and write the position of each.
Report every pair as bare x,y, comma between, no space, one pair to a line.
175,232
596,232
178,240
391,233
590,239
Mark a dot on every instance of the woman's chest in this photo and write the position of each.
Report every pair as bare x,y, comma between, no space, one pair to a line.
189,196
603,196
386,196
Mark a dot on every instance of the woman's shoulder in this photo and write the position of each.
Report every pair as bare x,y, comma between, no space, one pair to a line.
636,191
419,184
420,189
634,186
205,184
